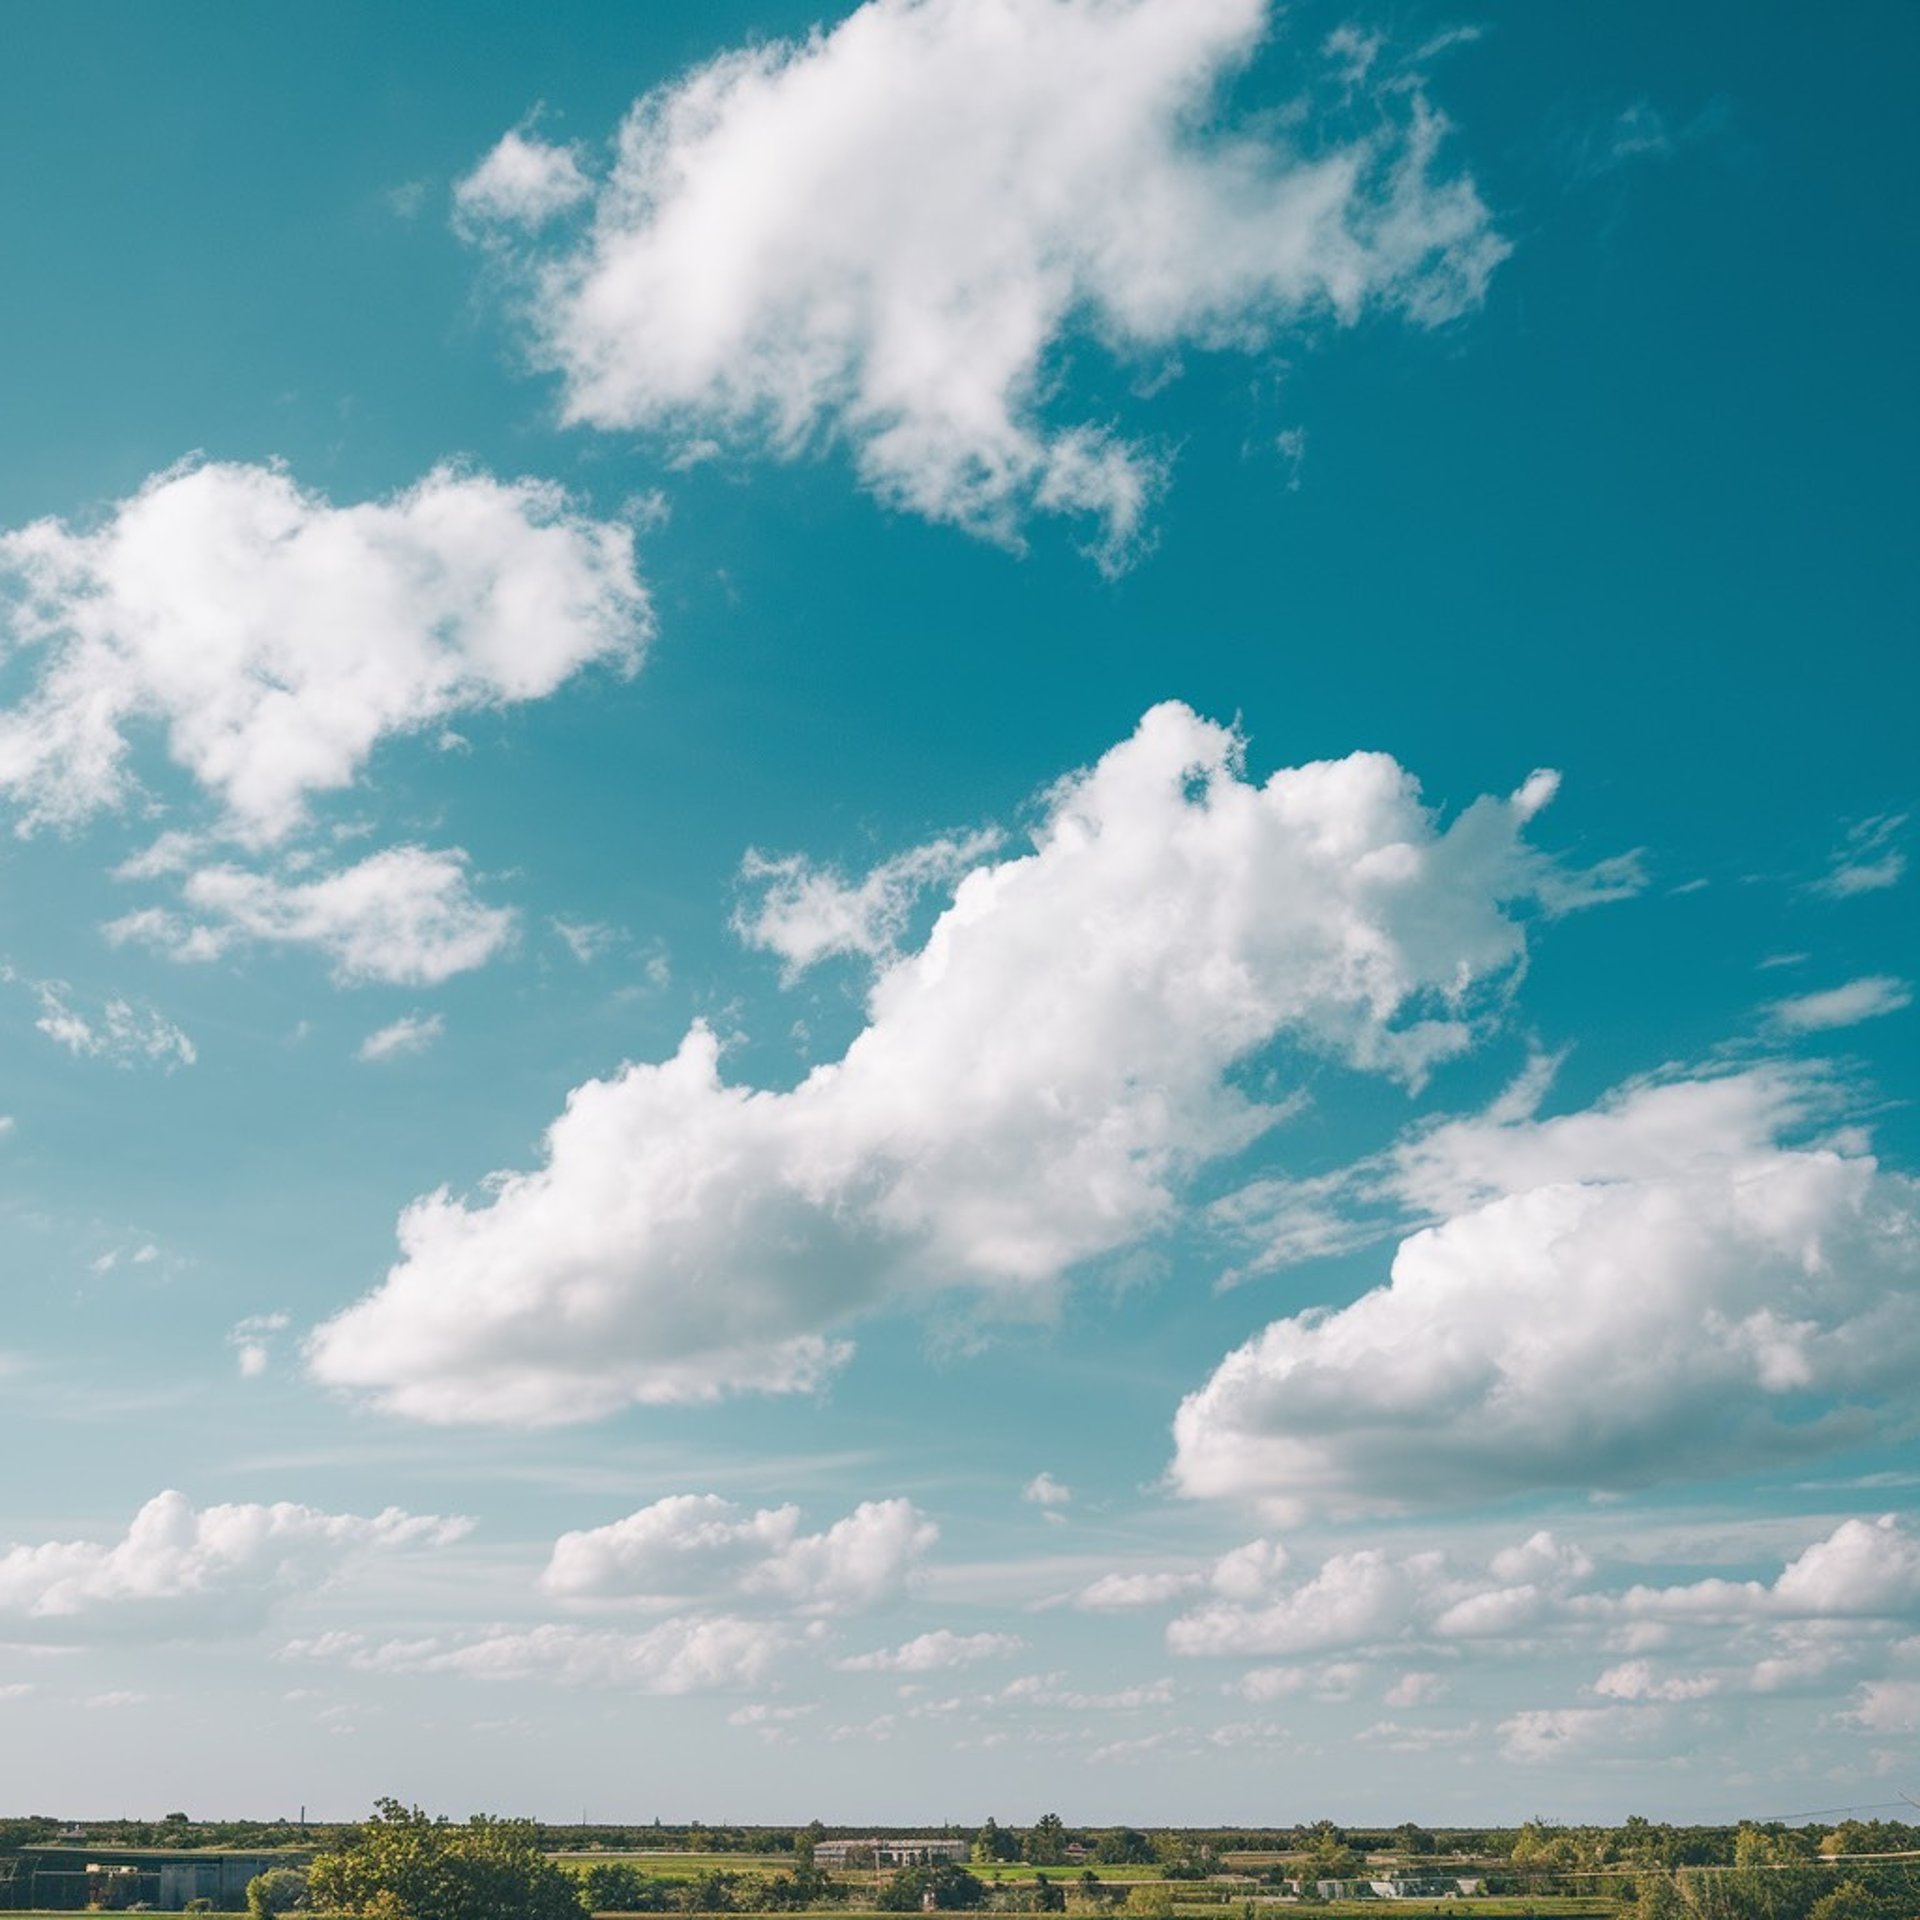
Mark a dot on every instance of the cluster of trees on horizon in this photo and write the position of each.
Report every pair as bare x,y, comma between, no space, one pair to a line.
405,1864
1536,1846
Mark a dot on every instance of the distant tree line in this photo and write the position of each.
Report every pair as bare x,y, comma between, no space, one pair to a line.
404,1864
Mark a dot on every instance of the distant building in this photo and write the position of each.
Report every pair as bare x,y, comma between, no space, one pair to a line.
68,1879
1425,1886
918,1850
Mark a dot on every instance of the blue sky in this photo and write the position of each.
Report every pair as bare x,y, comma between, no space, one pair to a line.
1005,911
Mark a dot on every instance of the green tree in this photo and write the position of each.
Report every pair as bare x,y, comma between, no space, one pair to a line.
1849,1901
278,1890
407,1865
993,1842
788,1892
1657,1898
1045,1842
1047,1898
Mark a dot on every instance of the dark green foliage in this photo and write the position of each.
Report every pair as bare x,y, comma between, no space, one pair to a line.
710,1893
995,1842
805,1886
953,1888
613,1886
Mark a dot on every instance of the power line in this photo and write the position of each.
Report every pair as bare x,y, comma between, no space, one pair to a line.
1823,1813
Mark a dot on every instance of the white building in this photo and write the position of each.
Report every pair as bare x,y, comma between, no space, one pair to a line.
917,1850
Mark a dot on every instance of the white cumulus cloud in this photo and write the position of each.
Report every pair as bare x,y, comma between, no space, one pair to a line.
1888,1706
524,181
184,1572
936,1652
1125,1592
886,235
807,914
1550,1734
694,1654
1031,1089
1836,1606
1864,1569
275,639
405,917
694,1545
1665,1284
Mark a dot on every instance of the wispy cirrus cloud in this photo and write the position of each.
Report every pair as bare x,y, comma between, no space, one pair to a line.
1844,1006
412,1033
1870,860
117,1032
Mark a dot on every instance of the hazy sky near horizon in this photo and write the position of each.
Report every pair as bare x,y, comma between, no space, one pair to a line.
990,906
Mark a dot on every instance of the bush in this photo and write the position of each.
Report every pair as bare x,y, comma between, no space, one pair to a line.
278,1890
953,1889
614,1886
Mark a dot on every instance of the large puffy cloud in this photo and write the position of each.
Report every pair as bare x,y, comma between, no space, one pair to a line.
180,1571
1353,1599
884,234
405,916
1864,1569
275,639
1660,1286
691,1545
1031,1088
